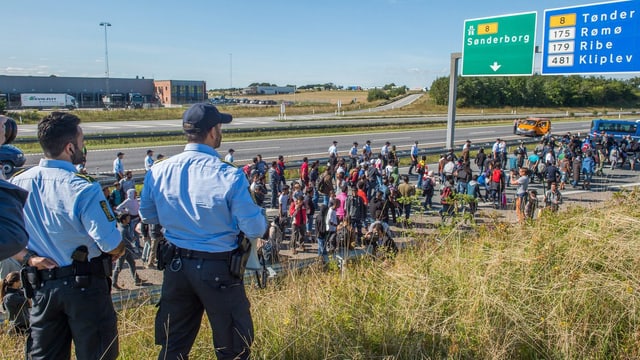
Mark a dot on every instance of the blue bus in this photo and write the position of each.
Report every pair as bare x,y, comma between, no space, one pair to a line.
616,128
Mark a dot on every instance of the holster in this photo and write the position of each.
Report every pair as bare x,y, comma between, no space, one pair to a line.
164,253
239,257
30,280
101,266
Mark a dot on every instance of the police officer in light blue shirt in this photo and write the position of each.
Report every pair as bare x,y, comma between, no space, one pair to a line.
148,160
414,156
118,167
69,222
203,204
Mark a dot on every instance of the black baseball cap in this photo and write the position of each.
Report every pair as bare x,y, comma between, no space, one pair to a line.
201,117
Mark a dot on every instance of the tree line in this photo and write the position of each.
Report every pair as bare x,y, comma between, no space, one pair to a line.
538,91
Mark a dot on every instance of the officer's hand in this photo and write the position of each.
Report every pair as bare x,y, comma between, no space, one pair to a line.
42,263
118,251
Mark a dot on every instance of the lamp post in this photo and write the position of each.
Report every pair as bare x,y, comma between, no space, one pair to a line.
231,73
106,65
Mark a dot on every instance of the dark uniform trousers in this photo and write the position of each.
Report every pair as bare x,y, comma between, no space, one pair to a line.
203,285
62,313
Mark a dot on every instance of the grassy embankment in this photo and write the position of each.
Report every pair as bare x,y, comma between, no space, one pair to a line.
563,287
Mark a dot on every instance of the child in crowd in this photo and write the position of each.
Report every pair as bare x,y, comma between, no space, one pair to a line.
124,228
15,303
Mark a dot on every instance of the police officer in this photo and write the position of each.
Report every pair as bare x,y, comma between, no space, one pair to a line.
71,224
13,236
203,204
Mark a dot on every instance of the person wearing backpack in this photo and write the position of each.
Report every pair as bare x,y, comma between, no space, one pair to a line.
356,211
428,188
320,224
446,199
473,190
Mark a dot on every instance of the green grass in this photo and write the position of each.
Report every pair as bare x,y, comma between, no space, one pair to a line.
563,287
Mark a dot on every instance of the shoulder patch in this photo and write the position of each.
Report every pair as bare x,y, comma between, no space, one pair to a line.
86,177
107,211
18,173
228,163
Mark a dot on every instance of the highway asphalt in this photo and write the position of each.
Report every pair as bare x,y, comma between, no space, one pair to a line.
296,147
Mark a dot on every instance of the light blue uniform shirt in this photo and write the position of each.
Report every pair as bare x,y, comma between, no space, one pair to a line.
118,168
414,150
202,202
148,163
65,210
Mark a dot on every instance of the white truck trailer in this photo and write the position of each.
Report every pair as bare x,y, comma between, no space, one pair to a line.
48,101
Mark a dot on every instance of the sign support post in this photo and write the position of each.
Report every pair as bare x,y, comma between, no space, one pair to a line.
453,97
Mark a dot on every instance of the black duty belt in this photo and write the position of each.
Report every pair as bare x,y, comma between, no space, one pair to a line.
95,269
194,254
56,273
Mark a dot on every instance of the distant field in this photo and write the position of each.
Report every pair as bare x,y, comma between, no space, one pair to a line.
327,97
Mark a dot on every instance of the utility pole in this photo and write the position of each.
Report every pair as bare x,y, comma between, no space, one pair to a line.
106,65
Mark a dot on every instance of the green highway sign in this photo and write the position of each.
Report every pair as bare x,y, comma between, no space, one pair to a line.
499,45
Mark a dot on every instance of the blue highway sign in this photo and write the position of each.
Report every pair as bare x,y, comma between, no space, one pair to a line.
592,39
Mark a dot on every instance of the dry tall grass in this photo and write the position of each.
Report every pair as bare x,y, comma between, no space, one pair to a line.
564,287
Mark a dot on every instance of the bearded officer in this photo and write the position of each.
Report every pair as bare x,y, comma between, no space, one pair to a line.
68,221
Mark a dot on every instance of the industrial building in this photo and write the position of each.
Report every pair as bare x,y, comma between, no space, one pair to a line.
268,90
90,91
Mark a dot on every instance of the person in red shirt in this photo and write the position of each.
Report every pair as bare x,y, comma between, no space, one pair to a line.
361,193
304,172
298,215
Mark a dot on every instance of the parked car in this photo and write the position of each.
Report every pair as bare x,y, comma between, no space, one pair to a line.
11,157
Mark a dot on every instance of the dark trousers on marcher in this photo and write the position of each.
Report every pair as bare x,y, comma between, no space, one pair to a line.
128,257
198,286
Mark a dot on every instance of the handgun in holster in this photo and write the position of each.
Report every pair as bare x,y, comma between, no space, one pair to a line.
165,253
30,280
81,267
239,257
101,266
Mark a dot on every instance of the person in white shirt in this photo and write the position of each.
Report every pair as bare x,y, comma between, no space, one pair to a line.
229,157
384,151
332,223
148,160
333,149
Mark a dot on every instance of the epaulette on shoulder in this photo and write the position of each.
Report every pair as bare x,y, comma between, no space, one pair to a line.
86,177
18,173
228,163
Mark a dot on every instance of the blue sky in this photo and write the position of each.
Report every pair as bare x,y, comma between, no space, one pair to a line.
235,42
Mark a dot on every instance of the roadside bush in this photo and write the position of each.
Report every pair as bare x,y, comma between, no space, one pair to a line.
377,94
